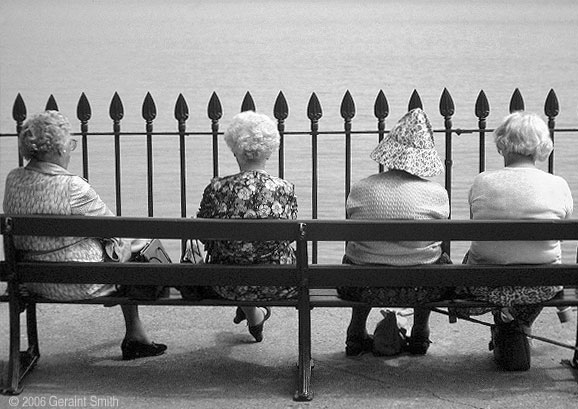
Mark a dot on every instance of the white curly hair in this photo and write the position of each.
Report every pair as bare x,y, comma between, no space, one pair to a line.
252,136
43,133
524,133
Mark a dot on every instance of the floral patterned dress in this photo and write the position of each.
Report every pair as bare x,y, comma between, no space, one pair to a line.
250,195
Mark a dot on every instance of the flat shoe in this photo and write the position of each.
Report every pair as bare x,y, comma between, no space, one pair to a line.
239,316
358,346
257,330
418,345
135,349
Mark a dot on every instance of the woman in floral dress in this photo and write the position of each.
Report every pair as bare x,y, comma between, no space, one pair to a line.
251,194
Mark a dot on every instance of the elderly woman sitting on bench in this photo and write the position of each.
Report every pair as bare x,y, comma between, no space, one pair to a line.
45,186
518,191
401,192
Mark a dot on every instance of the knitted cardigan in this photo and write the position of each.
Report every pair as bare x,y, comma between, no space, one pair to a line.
396,195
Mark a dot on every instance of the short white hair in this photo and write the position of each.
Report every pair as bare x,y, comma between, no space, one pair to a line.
252,136
43,133
524,133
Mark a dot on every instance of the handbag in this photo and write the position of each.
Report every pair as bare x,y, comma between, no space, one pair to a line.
511,346
389,337
152,252
194,254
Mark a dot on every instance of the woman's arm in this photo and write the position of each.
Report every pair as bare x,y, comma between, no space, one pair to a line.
85,201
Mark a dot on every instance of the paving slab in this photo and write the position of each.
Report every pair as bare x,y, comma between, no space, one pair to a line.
212,363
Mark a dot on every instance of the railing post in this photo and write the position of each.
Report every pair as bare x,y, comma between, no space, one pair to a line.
19,115
215,112
314,113
181,115
347,113
551,109
482,111
447,110
83,113
381,111
281,112
149,113
116,112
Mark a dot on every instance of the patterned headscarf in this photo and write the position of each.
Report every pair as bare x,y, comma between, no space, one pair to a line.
409,146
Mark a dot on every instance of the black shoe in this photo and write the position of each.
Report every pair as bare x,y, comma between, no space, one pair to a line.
418,345
257,330
134,349
239,316
358,346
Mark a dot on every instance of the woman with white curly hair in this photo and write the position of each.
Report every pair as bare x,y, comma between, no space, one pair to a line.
251,194
518,191
45,186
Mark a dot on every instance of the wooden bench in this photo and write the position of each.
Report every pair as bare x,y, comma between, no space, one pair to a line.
316,282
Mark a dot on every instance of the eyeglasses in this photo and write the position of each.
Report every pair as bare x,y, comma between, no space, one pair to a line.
73,144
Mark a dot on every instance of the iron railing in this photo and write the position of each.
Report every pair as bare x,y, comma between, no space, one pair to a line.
281,113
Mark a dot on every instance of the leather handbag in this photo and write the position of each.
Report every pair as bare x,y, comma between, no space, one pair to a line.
194,254
152,252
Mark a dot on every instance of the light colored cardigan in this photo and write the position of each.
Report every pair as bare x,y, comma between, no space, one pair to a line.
396,195
46,188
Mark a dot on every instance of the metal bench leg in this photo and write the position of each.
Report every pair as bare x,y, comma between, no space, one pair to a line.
13,375
32,332
20,363
575,358
305,365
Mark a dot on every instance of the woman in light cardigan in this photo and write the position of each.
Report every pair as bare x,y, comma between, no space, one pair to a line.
45,186
518,191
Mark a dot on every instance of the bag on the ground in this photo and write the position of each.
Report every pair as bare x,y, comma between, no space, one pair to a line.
511,346
389,337
152,252
194,254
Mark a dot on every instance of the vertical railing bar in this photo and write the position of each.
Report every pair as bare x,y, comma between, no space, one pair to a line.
281,164
314,179
149,113
83,113
381,111
19,116
281,112
215,112
482,110
447,110
149,130
116,130
84,131
314,113
551,109
215,130
181,115
116,112
347,113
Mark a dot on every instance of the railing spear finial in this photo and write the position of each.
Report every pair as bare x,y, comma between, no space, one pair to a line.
414,101
517,101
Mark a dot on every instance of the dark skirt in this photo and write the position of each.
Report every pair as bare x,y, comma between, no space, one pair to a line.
397,296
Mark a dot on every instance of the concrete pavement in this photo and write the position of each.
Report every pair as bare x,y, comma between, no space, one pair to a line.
212,363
